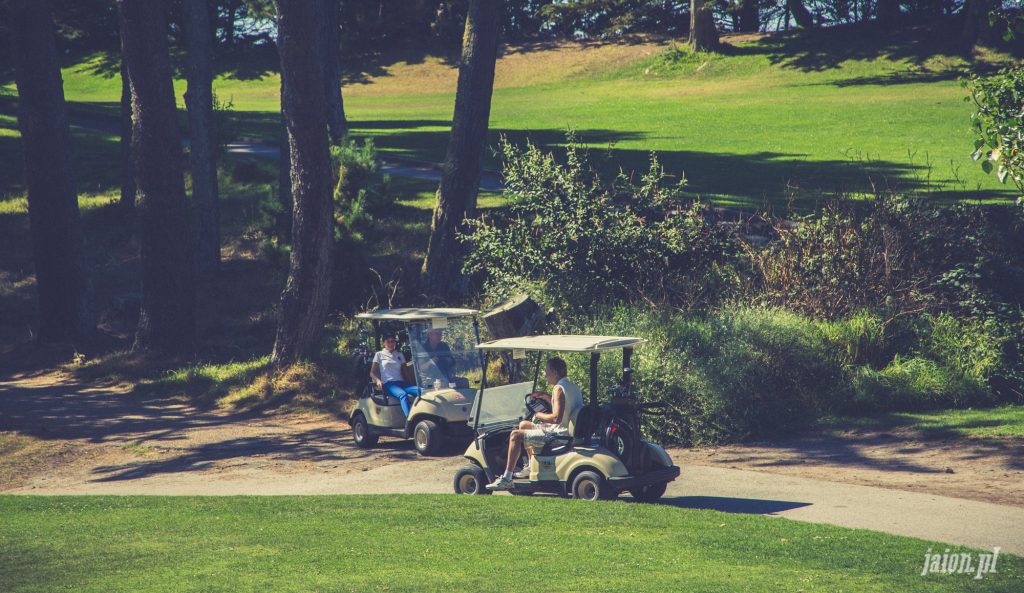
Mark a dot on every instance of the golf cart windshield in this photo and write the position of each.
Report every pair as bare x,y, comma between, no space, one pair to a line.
504,400
444,353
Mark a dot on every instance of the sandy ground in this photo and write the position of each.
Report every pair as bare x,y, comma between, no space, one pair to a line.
58,436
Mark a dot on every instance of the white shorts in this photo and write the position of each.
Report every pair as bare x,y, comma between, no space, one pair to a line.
538,436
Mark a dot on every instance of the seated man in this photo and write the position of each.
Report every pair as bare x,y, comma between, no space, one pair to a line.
389,372
565,399
440,354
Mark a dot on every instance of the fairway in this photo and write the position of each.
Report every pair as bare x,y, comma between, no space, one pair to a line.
770,119
445,543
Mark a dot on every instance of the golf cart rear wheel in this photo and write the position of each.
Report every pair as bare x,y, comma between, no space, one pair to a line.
650,492
471,479
361,433
590,485
427,437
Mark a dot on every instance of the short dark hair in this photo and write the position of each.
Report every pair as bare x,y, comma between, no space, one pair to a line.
558,366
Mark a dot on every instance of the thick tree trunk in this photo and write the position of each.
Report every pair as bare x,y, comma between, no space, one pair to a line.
801,15
167,321
305,298
230,15
748,18
284,176
460,176
703,33
202,133
52,200
127,200
518,316
976,24
888,12
329,41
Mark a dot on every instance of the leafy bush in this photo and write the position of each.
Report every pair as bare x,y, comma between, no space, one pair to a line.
998,120
587,241
755,372
361,191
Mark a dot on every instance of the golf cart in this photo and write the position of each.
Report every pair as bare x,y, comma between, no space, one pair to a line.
603,454
446,378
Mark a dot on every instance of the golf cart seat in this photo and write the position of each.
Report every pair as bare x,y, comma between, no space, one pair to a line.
581,428
380,398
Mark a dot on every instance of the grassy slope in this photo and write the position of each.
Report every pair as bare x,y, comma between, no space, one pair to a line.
824,110
444,543
991,423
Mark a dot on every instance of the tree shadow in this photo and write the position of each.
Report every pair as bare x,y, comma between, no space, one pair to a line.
744,506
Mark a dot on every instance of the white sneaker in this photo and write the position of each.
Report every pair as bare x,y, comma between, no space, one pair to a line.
524,472
502,483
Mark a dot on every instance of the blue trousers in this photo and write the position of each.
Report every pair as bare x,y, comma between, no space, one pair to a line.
403,392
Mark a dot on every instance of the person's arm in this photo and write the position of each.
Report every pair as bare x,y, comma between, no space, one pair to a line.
557,405
375,374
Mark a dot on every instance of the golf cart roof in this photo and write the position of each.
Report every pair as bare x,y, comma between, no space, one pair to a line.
415,314
563,343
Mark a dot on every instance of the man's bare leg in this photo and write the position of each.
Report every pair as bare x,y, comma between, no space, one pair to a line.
515,447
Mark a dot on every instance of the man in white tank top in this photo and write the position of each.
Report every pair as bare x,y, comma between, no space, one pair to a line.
565,399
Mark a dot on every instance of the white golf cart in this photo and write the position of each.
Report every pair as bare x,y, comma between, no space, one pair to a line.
604,453
447,371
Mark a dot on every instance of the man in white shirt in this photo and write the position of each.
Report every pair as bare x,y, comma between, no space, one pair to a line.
389,372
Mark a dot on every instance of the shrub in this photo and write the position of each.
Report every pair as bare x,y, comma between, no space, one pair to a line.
998,120
361,191
587,241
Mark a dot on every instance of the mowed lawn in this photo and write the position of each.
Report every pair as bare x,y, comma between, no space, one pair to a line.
445,543
772,118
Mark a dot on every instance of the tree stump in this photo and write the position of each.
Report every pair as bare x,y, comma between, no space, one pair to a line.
518,316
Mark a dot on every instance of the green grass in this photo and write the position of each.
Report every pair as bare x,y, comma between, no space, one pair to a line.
835,110
444,543
983,423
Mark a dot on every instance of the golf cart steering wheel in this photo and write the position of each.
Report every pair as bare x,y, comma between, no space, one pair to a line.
537,405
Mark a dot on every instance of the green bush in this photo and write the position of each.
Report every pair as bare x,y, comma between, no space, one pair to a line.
361,191
755,372
587,241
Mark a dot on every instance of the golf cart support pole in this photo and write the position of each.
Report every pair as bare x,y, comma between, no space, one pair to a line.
594,357
627,371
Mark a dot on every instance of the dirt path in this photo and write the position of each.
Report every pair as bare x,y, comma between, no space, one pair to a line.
58,436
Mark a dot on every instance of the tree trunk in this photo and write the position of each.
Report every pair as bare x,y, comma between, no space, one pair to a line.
202,133
52,199
888,12
329,41
703,33
749,20
230,15
284,176
167,320
127,201
460,176
518,316
801,15
305,297
976,26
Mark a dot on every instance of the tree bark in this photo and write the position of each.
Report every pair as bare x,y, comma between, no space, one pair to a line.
976,25
52,200
888,12
167,320
329,41
305,297
748,18
460,176
518,316
703,33
202,133
801,15
127,200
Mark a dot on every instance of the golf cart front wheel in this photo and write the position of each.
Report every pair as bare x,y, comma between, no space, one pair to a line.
427,437
590,485
361,433
650,492
471,479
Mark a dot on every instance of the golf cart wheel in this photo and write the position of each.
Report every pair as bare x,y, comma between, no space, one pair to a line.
361,433
590,485
650,492
427,437
470,479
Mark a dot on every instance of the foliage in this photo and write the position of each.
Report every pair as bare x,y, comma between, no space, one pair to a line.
361,191
999,123
587,241
753,372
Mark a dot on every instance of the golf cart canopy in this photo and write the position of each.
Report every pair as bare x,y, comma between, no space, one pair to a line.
409,314
563,343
